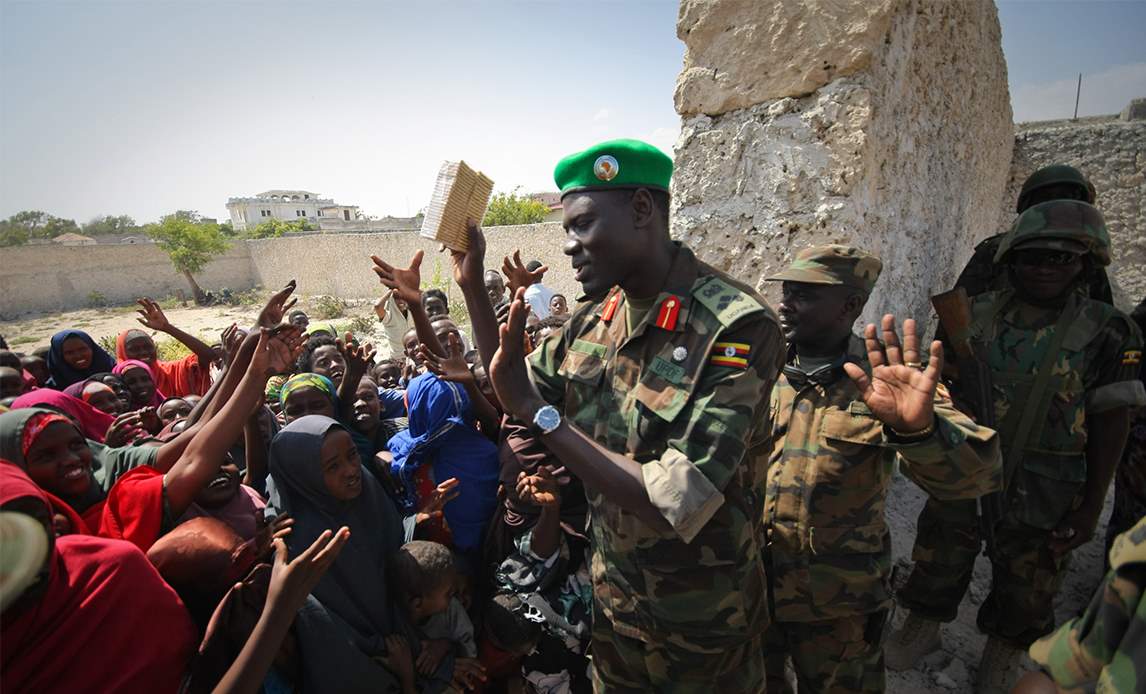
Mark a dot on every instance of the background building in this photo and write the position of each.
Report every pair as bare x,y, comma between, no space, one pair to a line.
289,206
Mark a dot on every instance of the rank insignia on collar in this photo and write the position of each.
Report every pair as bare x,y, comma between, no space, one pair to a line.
670,309
734,354
610,307
1131,357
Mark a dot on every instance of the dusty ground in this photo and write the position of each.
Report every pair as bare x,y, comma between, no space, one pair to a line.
953,668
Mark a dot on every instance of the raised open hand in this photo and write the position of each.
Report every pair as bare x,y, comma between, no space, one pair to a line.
507,368
399,659
277,306
292,580
516,274
151,316
900,394
469,266
406,283
124,429
443,494
232,340
449,368
380,305
267,533
542,488
277,350
359,358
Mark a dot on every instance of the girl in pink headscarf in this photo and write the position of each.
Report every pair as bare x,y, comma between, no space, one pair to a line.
140,381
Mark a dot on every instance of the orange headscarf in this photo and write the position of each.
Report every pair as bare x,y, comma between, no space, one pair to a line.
177,378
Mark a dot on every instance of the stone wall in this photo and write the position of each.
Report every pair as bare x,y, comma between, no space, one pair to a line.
884,124
1111,152
53,278
340,265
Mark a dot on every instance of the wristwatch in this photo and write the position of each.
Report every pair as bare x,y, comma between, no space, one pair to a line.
546,420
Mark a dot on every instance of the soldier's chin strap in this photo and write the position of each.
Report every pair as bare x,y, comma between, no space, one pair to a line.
825,375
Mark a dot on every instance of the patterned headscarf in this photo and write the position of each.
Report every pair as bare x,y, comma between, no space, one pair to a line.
309,380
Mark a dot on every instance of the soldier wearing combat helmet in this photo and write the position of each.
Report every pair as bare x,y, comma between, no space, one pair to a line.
1055,182
1064,372
843,409
652,394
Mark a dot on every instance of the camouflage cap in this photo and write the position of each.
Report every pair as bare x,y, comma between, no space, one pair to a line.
1069,225
833,264
1055,174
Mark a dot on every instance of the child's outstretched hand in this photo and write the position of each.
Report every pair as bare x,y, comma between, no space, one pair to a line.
468,673
431,656
399,660
543,488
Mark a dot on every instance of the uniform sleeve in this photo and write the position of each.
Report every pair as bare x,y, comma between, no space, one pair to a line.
1102,650
961,460
1114,381
728,404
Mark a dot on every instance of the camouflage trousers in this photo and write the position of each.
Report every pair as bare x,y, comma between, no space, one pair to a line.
623,664
835,655
1025,574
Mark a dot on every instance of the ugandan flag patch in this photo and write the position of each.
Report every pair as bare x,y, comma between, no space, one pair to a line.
734,354
1132,357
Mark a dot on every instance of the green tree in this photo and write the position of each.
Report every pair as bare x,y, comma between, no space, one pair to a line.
189,243
274,228
108,225
512,208
34,224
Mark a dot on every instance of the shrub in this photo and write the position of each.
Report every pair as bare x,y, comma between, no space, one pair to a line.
327,307
96,299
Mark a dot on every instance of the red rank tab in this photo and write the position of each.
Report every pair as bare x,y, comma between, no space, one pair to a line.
610,307
670,309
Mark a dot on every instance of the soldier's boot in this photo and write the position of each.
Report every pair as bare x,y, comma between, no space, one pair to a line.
997,667
916,638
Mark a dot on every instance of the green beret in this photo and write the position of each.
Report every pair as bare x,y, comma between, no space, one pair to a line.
841,265
615,164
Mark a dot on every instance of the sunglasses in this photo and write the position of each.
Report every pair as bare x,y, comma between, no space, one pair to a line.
1044,257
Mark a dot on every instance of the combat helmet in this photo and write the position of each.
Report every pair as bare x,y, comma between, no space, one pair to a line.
1056,174
1062,225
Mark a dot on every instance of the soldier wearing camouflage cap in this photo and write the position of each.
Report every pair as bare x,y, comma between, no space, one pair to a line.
843,409
1055,182
1064,370
652,394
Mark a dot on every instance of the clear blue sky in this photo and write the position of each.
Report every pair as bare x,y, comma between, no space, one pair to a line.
146,107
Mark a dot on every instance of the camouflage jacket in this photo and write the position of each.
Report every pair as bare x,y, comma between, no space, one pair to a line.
1094,370
1105,649
829,467
684,393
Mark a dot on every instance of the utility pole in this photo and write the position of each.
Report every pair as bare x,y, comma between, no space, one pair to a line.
1077,93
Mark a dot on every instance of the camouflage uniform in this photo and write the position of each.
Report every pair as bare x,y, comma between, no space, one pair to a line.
1130,477
682,393
1105,649
831,460
1090,348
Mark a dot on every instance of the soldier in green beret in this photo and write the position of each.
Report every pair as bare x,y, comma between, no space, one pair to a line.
652,394
1054,182
843,409
1064,369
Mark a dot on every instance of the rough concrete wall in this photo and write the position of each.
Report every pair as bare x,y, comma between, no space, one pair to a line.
1112,154
888,126
340,265
53,278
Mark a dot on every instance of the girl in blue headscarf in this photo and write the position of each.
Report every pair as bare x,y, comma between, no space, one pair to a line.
74,356
442,443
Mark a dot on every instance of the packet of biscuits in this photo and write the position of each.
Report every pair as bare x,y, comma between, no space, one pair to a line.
459,194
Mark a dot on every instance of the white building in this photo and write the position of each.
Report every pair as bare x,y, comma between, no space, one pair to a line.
288,206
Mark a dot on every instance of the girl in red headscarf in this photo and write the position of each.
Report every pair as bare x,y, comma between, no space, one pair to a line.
70,632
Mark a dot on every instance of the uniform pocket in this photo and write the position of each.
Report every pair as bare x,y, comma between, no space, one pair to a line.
1046,487
848,449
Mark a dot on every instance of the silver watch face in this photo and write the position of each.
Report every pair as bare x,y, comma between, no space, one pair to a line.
547,418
